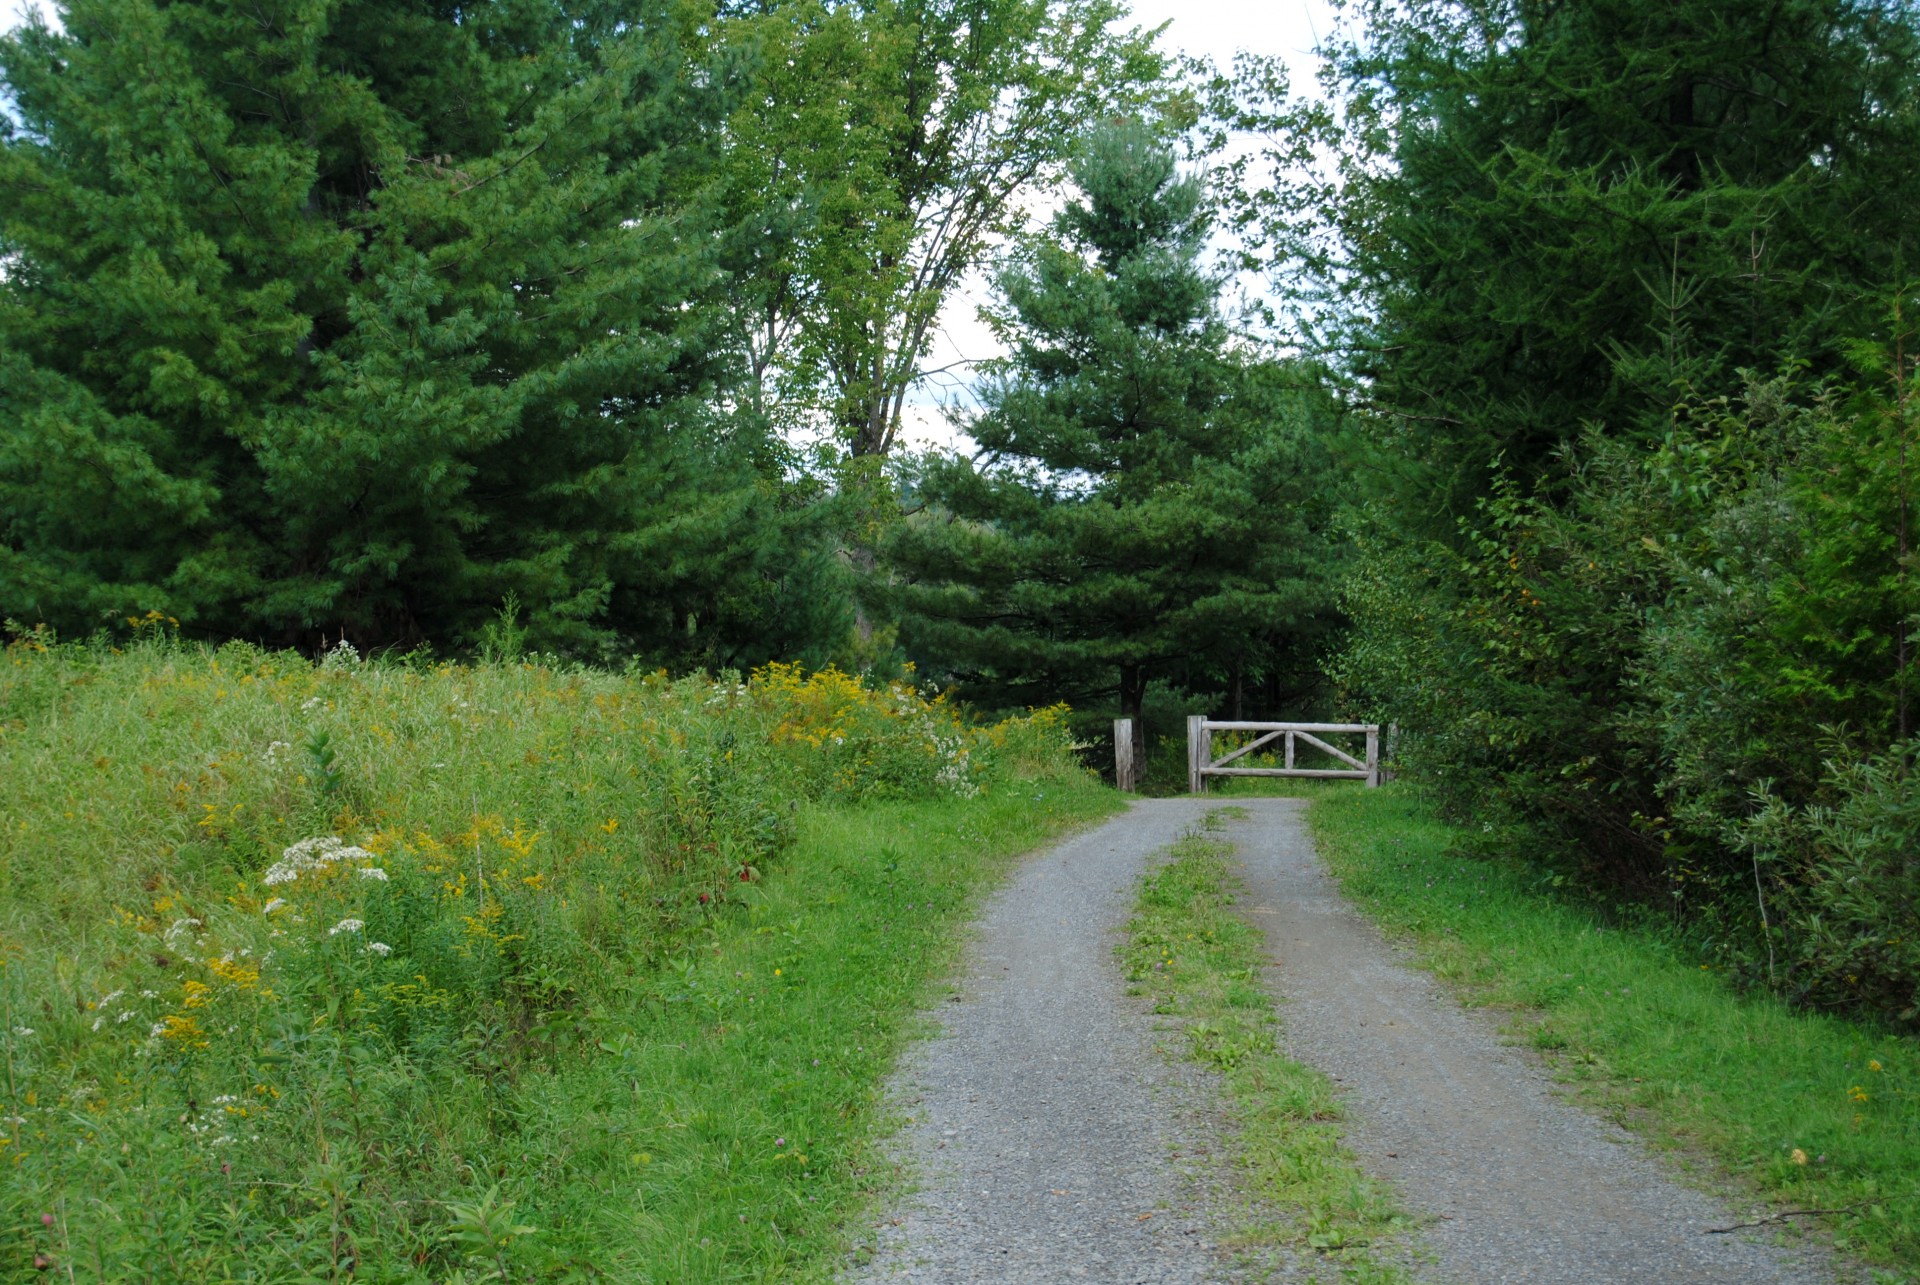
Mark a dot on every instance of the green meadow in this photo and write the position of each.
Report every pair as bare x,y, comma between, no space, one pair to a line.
412,971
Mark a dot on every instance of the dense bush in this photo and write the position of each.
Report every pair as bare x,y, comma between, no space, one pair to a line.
273,929
1693,671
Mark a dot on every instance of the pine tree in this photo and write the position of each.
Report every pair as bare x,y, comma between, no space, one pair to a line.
328,318
1144,496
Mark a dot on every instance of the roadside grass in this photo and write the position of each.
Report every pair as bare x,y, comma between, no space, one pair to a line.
1201,963
420,972
727,1130
1811,1112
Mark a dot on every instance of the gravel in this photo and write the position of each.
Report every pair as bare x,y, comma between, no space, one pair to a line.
1519,1184
1055,1143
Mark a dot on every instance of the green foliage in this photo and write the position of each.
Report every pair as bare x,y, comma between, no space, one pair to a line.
1847,882
1602,594
260,1029
1693,673
327,321
1557,214
1144,502
1815,1111
882,147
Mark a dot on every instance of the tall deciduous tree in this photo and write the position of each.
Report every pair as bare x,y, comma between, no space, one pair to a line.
883,146
324,317
1144,497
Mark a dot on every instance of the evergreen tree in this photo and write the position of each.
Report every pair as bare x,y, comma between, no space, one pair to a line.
1143,501
1554,213
355,317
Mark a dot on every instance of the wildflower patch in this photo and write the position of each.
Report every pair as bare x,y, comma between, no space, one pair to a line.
308,997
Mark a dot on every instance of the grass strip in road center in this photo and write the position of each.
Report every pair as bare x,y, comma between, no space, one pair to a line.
1200,962
1815,1112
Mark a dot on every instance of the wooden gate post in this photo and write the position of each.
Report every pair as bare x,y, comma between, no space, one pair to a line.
1196,734
1373,757
1126,773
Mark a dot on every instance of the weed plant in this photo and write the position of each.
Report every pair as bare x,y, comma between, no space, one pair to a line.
416,971
1200,962
1815,1112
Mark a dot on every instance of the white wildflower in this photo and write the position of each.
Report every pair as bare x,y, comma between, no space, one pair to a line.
312,854
126,1015
276,749
341,654
273,905
157,1030
346,926
149,994
379,948
181,927
24,1032
313,702
108,998
374,873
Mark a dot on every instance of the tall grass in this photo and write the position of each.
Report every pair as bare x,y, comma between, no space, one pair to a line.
418,971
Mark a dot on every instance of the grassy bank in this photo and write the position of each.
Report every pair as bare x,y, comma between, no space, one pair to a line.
420,972
1813,1112
1201,963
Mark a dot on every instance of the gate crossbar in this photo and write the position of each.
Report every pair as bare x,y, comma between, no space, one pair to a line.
1201,764
1316,742
1250,747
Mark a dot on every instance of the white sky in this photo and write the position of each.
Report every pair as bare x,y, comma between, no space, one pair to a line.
1214,28
14,12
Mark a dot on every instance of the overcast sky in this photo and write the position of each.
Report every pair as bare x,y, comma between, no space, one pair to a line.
1214,28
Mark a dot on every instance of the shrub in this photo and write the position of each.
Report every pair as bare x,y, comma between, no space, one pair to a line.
1686,676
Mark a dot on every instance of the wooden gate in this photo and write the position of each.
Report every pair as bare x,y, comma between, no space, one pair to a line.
1201,763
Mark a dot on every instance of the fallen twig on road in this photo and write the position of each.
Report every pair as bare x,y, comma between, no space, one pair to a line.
1780,1217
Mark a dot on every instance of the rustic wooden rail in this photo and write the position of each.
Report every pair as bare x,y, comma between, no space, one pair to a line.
1201,763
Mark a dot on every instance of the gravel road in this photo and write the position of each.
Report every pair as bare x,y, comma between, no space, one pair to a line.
1043,1121
1519,1184
1046,1128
